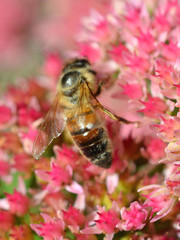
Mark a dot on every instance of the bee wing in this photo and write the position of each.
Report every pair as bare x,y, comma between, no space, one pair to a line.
51,127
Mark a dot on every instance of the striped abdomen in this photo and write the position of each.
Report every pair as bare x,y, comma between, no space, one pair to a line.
91,137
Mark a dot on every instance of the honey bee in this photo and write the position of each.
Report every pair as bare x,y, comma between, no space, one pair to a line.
76,106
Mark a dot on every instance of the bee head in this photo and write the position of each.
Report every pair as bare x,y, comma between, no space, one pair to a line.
77,63
70,79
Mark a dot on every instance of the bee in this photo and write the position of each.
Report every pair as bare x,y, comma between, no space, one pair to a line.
76,106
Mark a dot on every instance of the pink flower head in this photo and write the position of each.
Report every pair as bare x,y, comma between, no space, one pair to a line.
153,106
137,63
160,201
27,138
90,51
134,218
164,71
21,232
133,91
96,27
66,156
4,168
155,149
173,181
23,162
6,220
73,217
27,115
56,177
18,203
169,129
5,114
119,53
107,221
52,228
146,42
170,51
173,151
53,65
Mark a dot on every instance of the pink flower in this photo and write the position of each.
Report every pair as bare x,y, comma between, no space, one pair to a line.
90,51
66,156
107,221
4,168
6,220
169,129
21,232
27,138
137,63
164,71
23,163
56,177
5,114
119,53
146,42
53,65
172,151
18,203
170,51
52,228
134,218
133,91
155,149
173,180
161,201
73,217
27,115
153,106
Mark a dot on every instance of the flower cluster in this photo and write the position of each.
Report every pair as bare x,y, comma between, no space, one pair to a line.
135,50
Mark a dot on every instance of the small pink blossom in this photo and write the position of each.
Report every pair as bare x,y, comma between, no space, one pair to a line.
52,228
4,168
170,51
155,150
21,232
27,115
107,221
172,151
73,217
90,51
18,203
164,71
6,220
119,53
27,138
153,106
161,201
66,156
173,180
146,42
56,177
137,63
23,163
133,91
53,65
169,129
133,218
5,114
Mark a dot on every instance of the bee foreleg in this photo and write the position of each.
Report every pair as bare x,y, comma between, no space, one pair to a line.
115,117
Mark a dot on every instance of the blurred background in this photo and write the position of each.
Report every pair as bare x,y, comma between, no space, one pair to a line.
31,28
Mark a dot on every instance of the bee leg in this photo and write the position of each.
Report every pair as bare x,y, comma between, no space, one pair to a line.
115,117
99,89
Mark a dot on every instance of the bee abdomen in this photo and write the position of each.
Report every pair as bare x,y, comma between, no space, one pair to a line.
95,145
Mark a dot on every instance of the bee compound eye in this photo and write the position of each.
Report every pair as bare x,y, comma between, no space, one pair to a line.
70,79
